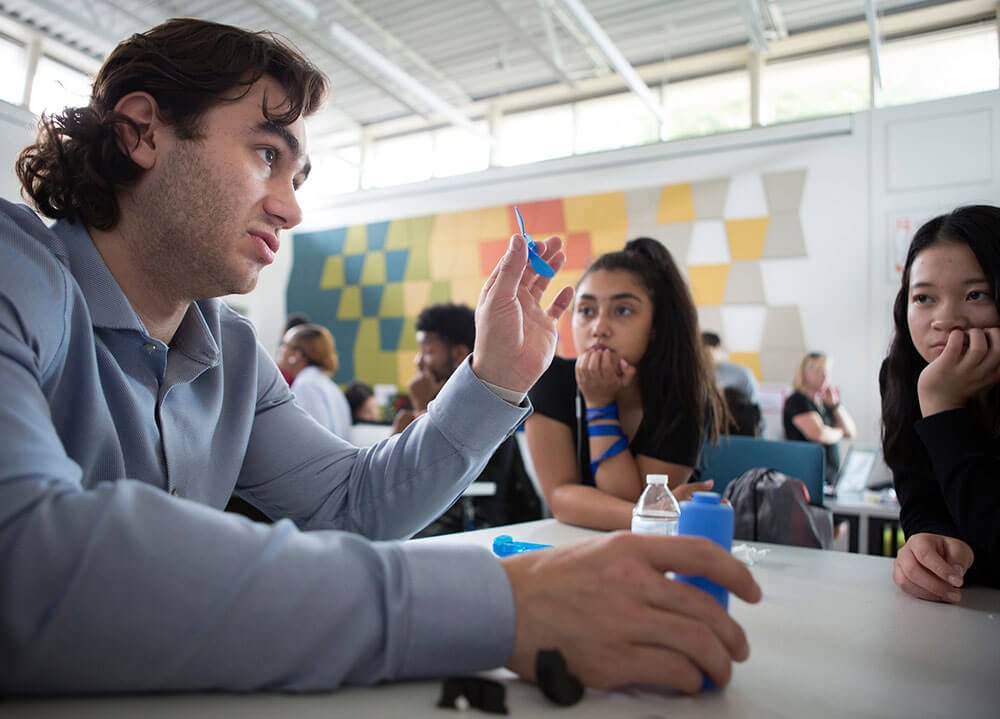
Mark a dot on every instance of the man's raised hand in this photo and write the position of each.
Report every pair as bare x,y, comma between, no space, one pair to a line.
515,337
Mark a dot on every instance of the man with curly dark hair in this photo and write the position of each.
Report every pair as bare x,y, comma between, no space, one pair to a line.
133,403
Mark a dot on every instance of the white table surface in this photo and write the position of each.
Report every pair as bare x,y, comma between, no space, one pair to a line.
832,637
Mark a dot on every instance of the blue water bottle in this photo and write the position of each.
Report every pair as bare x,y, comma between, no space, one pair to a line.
705,516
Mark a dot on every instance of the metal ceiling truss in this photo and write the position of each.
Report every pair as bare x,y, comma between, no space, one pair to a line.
524,39
564,51
395,45
617,59
874,45
597,57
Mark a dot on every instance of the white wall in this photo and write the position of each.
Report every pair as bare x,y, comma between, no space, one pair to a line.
864,172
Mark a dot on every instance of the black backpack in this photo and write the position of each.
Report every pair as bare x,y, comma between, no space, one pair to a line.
772,507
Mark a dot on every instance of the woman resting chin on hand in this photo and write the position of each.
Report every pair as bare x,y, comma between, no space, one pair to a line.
635,400
941,406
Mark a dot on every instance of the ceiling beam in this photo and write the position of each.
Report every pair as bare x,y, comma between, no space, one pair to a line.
396,45
750,9
138,14
34,49
400,77
525,40
100,38
853,34
614,55
303,9
548,27
323,44
874,46
597,57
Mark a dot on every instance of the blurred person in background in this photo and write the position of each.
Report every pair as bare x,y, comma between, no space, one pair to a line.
813,411
308,356
361,398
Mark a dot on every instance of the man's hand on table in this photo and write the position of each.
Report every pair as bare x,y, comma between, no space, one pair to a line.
607,606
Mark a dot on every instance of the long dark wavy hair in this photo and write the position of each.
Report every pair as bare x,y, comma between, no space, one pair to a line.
78,164
977,226
678,386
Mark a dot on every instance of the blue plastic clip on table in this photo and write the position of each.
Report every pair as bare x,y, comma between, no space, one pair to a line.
504,546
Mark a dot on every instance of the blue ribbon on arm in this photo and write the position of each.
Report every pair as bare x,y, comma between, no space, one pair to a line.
607,430
608,411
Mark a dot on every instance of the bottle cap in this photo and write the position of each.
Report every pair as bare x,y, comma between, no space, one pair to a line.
656,479
706,498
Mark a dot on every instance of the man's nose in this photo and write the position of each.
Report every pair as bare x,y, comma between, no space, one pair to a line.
283,205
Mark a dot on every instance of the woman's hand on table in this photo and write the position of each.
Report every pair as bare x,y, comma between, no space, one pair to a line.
684,492
607,606
932,567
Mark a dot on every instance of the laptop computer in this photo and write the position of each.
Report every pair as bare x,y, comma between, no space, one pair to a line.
862,469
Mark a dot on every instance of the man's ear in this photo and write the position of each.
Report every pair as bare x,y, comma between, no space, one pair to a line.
142,109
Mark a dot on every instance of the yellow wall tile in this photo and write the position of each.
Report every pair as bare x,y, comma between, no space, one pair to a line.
373,270
333,273
609,240
379,367
357,240
455,228
592,213
748,359
404,368
350,304
408,336
456,261
746,237
465,290
676,204
393,302
416,296
708,283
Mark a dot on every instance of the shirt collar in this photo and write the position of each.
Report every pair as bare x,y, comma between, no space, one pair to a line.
108,305
110,308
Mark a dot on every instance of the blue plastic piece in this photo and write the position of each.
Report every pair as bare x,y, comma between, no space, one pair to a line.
504,546
705,516
537,263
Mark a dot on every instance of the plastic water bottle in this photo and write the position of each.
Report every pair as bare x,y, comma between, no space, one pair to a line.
705,516
656,512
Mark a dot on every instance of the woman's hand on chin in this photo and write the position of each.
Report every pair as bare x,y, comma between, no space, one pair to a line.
600,374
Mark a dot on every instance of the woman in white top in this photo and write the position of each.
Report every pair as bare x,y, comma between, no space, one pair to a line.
308,357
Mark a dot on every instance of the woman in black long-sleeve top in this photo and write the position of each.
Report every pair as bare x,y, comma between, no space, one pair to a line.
941,405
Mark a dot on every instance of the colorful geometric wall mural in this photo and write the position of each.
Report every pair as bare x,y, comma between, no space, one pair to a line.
368,283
